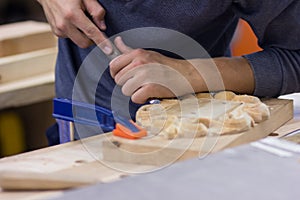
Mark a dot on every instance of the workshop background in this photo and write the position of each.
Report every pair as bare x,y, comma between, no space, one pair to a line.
23,126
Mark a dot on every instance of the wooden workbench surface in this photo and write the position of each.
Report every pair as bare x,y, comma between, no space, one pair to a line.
77,156
66,158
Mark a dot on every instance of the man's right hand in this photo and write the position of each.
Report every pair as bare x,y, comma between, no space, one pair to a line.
68,18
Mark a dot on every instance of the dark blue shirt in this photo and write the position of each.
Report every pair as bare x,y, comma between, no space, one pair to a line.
211,23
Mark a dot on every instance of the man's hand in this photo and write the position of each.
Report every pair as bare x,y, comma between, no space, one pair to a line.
147,74
68,19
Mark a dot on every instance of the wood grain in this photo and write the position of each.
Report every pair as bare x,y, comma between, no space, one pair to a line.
82,158
86,161
161,152
27,91
69,165
73,177
27,78
24,37
20,66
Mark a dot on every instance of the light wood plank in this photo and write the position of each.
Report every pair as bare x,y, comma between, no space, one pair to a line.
64,166
27,78
161,152
25,65
28,91
74,158
21,37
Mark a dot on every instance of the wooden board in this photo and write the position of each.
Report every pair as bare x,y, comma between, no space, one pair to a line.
161,152
94,172
69,165
27,91
76,159
17,67
25,36
27,78
27,61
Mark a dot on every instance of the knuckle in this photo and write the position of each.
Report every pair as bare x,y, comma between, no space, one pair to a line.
117,80
101,9
138,52
69,15
61,27
138,62
112,68
58,33
98,12
120,79
125,91
90,31
148,88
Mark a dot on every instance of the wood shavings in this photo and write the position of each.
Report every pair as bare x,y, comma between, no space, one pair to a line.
204,96
200,114
225,95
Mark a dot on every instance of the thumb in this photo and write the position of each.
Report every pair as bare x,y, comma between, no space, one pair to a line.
121,45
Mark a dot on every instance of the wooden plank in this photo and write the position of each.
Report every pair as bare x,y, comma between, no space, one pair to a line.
94,172
28,82
25,36
27,78
29,195
12,180
25,65
74,158
48,169
161,152
53,158
27,91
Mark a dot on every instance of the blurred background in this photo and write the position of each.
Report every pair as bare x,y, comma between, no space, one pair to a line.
20,10
22,128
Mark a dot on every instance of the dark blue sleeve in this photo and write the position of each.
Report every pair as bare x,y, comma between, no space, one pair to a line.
276,23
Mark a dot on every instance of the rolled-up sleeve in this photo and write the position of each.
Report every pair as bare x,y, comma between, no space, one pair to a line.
276,23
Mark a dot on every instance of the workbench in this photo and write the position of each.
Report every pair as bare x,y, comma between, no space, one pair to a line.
74,157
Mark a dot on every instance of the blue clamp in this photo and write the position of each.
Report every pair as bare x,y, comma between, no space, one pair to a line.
79,112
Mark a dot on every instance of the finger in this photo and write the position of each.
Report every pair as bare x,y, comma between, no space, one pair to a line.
141,95
151,90
119,63
81,21
121,45
51,20
78,37
125,73
130,86
140,74
97,12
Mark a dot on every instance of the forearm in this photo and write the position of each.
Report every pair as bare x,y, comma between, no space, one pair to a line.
236,73
223,73
269,73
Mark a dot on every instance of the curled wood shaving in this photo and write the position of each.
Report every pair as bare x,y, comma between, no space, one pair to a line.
167,120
